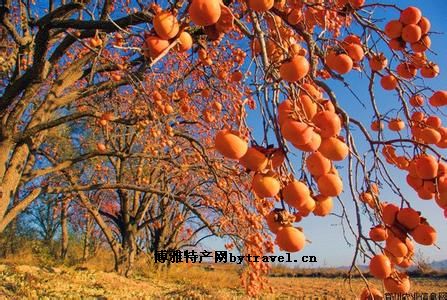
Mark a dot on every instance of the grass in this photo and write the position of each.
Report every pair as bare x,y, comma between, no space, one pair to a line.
27,276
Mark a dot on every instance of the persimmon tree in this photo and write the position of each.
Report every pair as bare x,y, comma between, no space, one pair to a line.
164,88
152,178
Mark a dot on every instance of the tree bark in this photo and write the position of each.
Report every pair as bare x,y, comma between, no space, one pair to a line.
10,180
64,228
88,231
124,263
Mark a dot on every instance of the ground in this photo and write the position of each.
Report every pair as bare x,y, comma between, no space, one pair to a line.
31,282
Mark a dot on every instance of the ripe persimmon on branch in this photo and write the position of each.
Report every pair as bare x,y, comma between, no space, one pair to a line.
149,104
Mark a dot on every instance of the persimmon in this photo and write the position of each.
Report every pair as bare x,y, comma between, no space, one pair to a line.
285,108
424,234
425,25
324,205
378,62
307,207
352,39
101,147
395,260
312,146
396,247
294,69
388,82
406,70
389,213
185,42
217,106
327,105
311,90
237,76
308,106
204,12
426,167
402,162
397,232
355,52
103,122
265,185
115,77
442,166
424,194
441,199
166,25
155,46
254,160
397,44
334,149
272,219
356,3
418,59
408,217
317,164
411,33
421,45
290,239
433,121
296,193
328,122
168,109
417,116
393,29
439,98
380,266
429,186
410,15
298,133
95,42
371,293
430,136
442,184
378,233
406,262
340,63
368,198
396,125
330,185
108,116
430,70
398,283
376,125
417,100
230,145
260,5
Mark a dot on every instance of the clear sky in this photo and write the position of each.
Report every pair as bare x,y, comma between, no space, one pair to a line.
328,243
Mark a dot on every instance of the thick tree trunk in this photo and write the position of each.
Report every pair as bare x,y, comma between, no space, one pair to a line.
124,263
10,176
64,229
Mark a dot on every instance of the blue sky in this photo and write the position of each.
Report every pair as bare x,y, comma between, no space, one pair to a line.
328,243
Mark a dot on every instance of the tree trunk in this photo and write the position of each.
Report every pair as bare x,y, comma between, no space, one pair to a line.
86,251
10,176
124,262
64,228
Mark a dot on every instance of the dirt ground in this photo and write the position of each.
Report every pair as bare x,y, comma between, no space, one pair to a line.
30,282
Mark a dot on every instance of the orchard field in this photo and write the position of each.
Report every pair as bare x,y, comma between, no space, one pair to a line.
134,129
